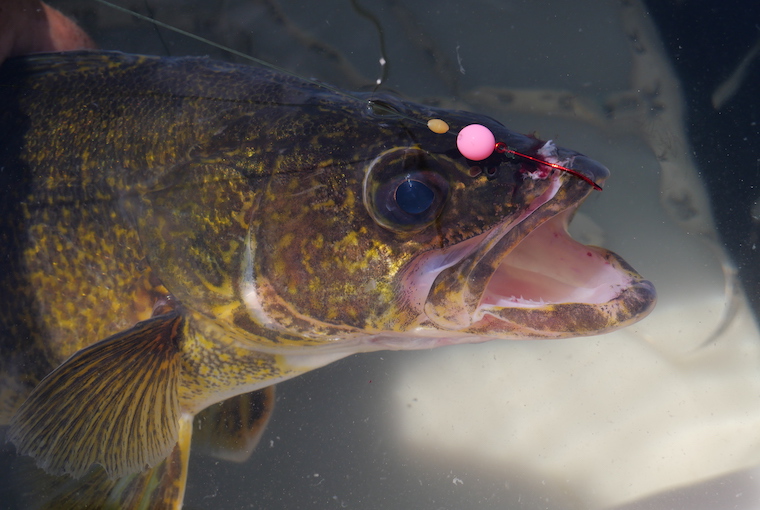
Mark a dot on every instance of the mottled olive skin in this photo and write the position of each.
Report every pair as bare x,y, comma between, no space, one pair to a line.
132,185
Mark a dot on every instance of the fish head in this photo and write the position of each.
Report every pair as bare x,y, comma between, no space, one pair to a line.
386,234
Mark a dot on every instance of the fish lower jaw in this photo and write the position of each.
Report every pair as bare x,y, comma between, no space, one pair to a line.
597,294
551,286
515,287
549,267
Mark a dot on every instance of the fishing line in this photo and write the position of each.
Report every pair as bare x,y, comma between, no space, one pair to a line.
476,147
269,65
160,36
216,45
384,62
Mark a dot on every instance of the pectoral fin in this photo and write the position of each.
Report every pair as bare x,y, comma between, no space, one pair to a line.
161,487
114,403
231,429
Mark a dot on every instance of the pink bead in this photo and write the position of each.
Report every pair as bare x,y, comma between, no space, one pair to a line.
476,142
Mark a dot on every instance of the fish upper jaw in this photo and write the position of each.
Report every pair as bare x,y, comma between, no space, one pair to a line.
453,299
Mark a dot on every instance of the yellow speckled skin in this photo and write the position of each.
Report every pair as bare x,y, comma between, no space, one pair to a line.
239,197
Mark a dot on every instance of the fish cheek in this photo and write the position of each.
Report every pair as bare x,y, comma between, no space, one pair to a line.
193,234
321,254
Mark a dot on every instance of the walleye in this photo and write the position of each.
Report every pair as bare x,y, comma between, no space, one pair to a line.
182,232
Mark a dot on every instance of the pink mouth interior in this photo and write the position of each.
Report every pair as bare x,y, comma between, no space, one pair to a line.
546,267
549,266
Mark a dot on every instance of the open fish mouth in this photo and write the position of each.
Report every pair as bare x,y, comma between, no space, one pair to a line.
528,278
550,285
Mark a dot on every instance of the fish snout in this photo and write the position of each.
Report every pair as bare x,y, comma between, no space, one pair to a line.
592,169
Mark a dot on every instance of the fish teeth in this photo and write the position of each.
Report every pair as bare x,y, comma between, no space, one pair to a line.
523,301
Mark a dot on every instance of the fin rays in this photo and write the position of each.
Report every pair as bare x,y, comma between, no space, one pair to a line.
114,403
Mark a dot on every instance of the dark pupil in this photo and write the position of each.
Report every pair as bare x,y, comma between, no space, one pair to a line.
414,197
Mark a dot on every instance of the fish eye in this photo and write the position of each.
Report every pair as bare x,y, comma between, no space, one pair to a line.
405,190
414,197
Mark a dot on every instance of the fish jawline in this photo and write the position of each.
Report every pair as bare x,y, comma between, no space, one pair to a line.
538,287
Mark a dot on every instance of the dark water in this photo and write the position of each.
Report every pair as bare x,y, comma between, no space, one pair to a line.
331,441
706,41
